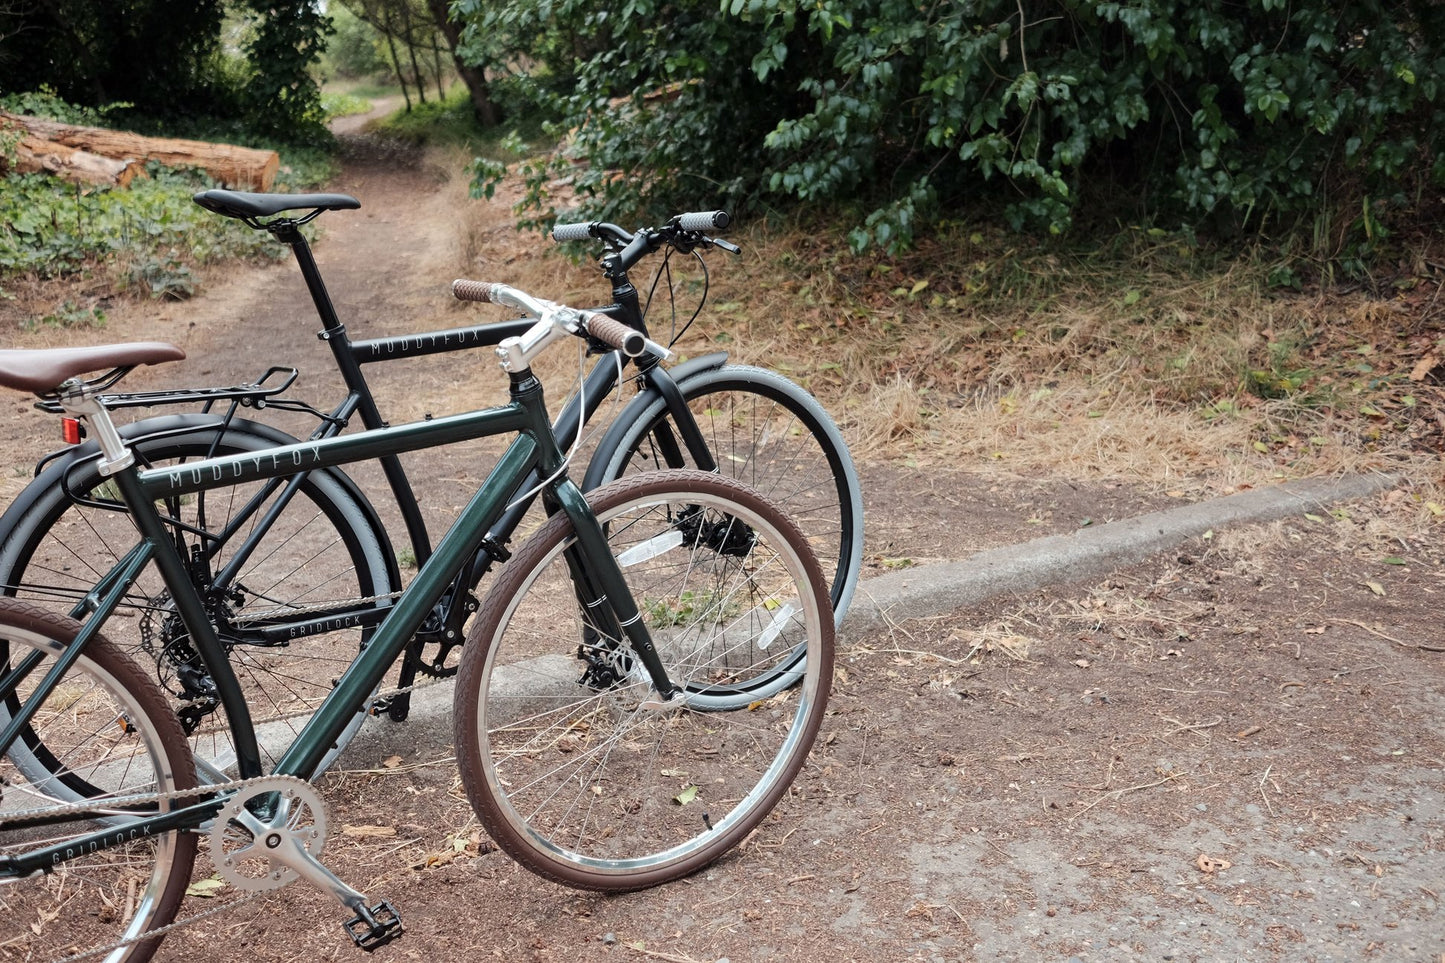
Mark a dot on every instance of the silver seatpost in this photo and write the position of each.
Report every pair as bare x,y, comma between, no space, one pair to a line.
77,398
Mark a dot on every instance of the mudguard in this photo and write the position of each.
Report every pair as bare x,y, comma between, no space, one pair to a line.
52,468
635,407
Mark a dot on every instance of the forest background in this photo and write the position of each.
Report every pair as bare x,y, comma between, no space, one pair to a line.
996,218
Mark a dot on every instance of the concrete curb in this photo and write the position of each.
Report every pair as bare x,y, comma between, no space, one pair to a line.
942,588
1088,553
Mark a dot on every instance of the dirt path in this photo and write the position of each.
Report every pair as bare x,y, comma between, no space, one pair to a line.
1235,753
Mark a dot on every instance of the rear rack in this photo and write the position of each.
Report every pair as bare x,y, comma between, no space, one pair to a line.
252,395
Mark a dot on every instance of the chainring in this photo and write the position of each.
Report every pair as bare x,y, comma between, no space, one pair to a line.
289,808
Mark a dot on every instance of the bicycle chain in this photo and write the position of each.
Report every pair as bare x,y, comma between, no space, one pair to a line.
163,930
303,713
92,806
249,617
234,784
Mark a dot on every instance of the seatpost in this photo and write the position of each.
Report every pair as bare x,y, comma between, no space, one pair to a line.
288,231
78,399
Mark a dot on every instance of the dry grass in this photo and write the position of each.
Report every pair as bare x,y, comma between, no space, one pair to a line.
1145,364
1150,363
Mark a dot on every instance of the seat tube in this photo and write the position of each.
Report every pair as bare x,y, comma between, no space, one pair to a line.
333,332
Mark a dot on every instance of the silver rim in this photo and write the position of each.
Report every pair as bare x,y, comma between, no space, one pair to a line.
568,805
135,762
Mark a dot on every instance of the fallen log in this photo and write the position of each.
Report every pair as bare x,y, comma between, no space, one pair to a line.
33,155
240,168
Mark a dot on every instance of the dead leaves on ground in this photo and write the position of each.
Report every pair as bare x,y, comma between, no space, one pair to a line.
1209,865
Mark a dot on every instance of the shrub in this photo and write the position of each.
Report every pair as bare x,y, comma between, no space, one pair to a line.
1215,115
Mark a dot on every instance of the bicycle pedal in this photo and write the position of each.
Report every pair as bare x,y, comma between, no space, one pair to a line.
373,927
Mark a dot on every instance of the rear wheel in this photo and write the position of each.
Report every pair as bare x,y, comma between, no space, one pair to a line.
106,727
283,591
601,786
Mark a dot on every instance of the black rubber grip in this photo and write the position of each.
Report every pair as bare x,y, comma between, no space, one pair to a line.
572,232
464,290
704,220
611,331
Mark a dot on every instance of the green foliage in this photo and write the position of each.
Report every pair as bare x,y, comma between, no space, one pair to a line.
343,105
1217,111
1225,115
152,53
663,91
486,174
281,98
448,121
45,102
355,51
68,315
145,238
169,59
51,228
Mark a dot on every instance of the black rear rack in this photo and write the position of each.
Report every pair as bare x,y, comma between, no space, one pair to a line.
251,395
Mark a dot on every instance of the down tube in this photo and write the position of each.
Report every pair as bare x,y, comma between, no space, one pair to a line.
457,546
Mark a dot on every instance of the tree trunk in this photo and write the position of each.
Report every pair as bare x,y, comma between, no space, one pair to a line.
409,39
241,168
487,111
386,32
436,67
33,155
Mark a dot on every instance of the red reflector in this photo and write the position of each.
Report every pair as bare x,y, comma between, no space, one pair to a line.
71,430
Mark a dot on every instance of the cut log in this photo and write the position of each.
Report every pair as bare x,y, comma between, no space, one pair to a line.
241,168
35,155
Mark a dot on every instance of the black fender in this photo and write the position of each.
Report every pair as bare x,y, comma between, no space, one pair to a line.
54,467
634,409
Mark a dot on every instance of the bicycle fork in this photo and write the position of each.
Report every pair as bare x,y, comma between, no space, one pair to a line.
603,593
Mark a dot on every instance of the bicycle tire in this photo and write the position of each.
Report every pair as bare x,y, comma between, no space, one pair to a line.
125,891
744,412
591,788
326,547
746,415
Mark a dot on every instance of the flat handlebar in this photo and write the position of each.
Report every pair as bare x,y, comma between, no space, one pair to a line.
555,319
685,229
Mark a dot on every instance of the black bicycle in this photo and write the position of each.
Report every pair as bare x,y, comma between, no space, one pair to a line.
295,572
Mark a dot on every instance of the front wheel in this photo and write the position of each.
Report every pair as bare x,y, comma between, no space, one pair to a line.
109,727
768,433
611,787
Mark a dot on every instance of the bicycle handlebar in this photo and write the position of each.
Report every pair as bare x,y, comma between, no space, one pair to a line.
556,318
580,231
703,220
692,224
